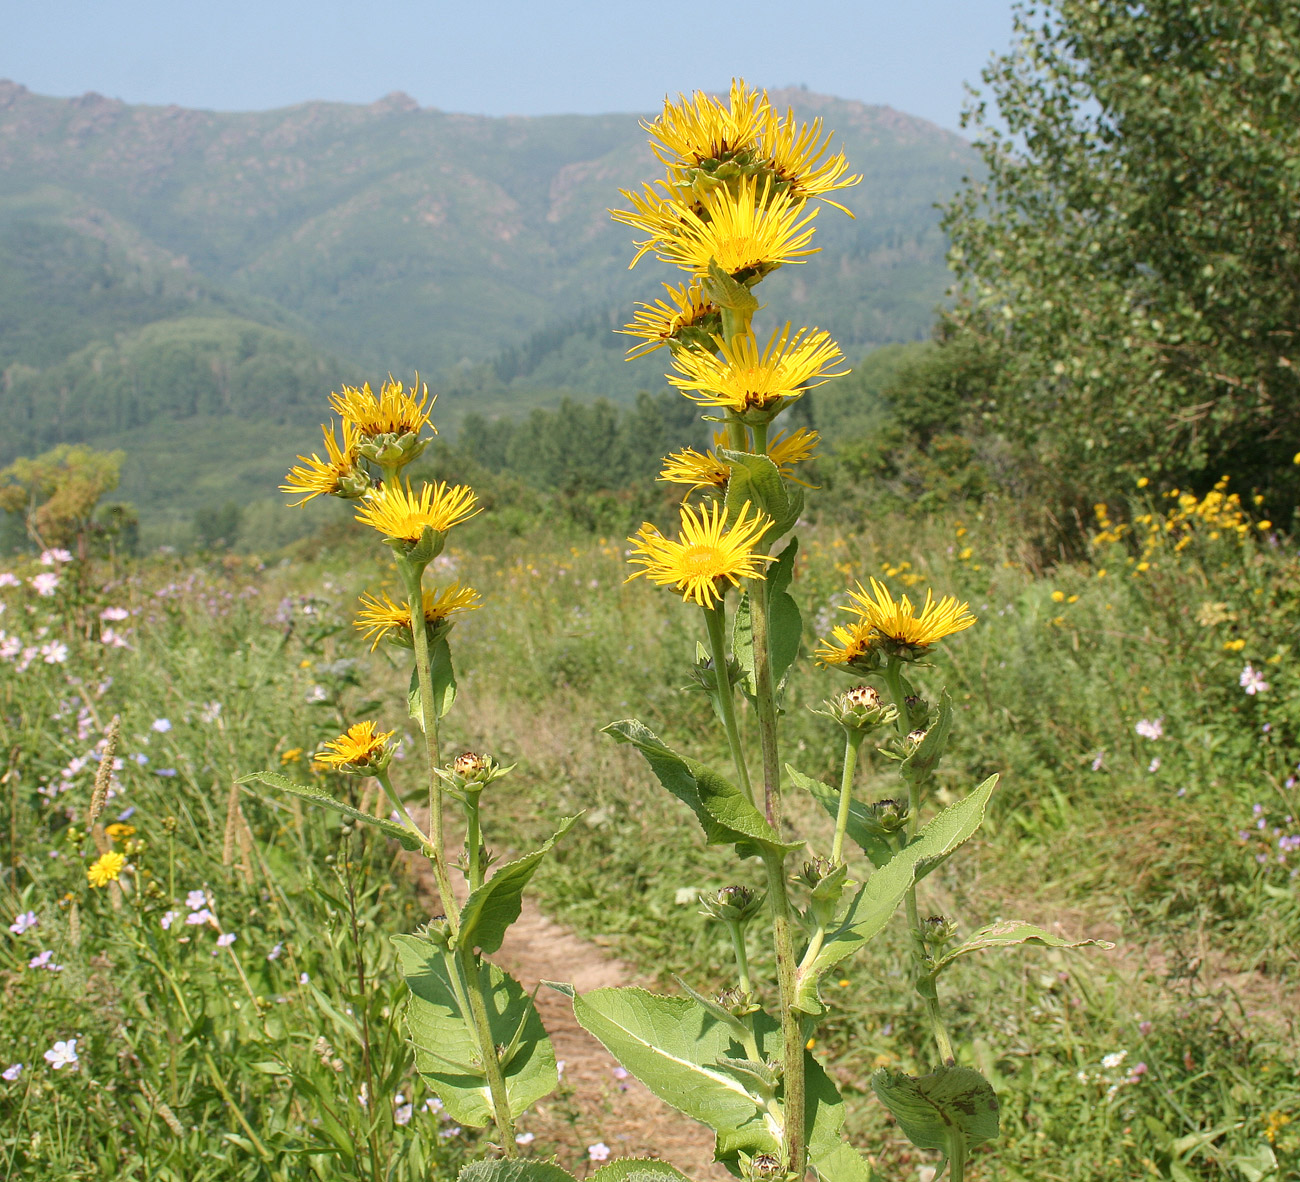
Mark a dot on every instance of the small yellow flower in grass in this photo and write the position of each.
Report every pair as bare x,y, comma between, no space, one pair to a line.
707,556
106,868
293,755
394,411
337,475
661,323
360,748
118,831
380,615
743,379
899,620
851,645
404,514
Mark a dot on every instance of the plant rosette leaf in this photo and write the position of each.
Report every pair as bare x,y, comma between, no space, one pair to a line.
785,623
724,812
877,849
1008,932
934,1109
514,1171
410,840
443,1041
920,765
877,899
686,1057
492,908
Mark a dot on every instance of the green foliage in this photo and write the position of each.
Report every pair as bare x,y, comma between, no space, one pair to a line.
1124,272
55,494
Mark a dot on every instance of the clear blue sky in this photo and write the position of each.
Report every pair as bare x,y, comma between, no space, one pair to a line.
500,57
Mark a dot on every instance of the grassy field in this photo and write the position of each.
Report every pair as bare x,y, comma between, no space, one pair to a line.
1141,704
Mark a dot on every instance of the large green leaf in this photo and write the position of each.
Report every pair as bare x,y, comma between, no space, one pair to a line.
931,1109
840,1163
785,624
514,1171
494,906
1007,932
308,792
637,1169
878,898
442,674
675,1046
723,810
874,846
755,480
445,1049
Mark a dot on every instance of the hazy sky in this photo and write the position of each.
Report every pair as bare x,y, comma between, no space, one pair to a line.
500,57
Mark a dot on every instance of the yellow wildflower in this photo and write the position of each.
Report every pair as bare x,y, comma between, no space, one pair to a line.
697,469
106,868
691,131
395,411
117,831
795,153
380,615
849,643
337,475
293,755
404,514
659,323
785,451
358,747
900,622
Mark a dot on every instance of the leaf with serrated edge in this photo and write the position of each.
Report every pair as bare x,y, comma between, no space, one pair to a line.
433,1020
878,898
637,1169
409,840
492,908
877,849
929,1108
840,1163
514,1171
1008,932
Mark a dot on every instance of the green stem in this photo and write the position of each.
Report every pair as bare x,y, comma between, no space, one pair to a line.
429,719
766,700
396,801
737,931
792,1039
488,1053
473,840
852,741
760,438
737,436
957,1159
715,618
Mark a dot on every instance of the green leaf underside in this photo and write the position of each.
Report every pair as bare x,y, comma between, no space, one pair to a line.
672,1045
929,751
439,1033
1008,932
637,1169
315,796
492,908
930,1108
877,849
878,898
722,809
514,1171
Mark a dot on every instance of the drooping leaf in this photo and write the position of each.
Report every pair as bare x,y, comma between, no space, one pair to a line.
723,810
877,849
314,795
1007,932
637,1169
514,1171
930,1108
919,766
494,906
442,1038
878,898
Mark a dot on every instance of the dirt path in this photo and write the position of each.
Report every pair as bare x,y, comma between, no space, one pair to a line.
593,1105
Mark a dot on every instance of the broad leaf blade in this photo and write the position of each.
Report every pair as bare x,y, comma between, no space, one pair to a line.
840,1163
930,1109
875,903
1008,932
637,1169
494,906
439,1034
409,840
875,847
514,1171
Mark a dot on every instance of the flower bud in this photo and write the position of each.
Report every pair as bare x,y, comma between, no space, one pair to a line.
887,816
733,904
764,1167
918,712
391,450
704,675
813,872
858,709
437,931
937,931
914,740
472,772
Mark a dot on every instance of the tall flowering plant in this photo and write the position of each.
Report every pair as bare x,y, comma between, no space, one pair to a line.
743,186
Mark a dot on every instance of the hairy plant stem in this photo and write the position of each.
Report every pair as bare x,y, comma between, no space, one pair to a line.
925,987
737,436
852,742
473,841
760,438
496,1081
792,1040
766,699
715,619
413,576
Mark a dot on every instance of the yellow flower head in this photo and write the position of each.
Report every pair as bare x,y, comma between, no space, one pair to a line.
337,475
700,128
358,747
380,615
749,232
744,379
106,868
699,470
850,645
403,514
785,451
798,155
395,411
118,831
707,556
900,622
661,323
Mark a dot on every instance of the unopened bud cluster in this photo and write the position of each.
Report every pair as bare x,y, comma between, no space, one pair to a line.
733,904
859,709
885,817
471,772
